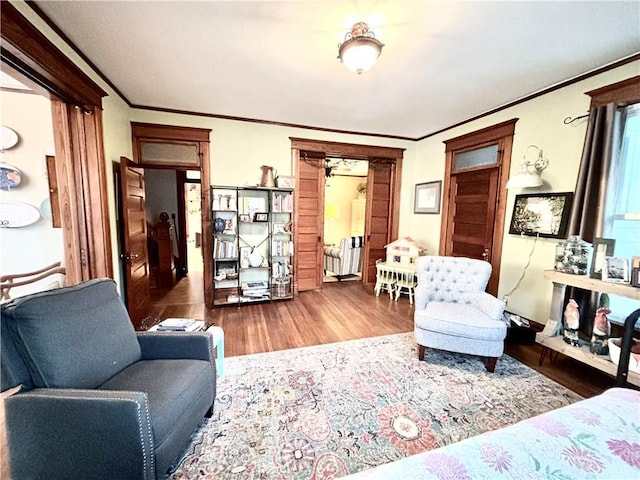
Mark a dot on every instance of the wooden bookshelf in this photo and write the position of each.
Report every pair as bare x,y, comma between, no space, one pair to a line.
560,282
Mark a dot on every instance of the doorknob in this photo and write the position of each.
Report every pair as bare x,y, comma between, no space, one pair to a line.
130,257
485,255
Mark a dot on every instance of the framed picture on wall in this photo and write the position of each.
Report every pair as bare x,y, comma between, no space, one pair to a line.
427,197
541,214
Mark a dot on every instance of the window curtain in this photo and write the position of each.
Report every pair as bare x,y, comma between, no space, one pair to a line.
587,211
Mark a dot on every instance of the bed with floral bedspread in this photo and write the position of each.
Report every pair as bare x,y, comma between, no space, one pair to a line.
596,438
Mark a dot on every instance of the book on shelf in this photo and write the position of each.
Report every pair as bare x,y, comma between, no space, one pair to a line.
224,249
282,203
259,293
255,285
251,298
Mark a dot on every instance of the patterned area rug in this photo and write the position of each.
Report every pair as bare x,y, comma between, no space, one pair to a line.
326,411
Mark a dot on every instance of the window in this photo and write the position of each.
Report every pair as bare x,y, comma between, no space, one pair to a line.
622,210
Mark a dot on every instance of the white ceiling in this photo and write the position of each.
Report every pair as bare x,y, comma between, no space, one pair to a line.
443,62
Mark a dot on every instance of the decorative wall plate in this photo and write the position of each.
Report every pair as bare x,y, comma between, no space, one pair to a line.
17,214
10,177
8,138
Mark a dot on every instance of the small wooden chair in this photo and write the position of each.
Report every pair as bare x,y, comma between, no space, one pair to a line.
7,282
385,278
405,283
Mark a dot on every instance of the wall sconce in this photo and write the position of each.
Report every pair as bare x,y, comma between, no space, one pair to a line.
360,48
529,174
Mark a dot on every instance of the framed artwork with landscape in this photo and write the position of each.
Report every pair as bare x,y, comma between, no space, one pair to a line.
541,214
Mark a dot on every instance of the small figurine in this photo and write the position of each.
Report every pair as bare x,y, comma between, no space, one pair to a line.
571,323
601,328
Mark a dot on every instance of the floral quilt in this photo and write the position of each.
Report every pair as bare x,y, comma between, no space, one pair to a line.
594,438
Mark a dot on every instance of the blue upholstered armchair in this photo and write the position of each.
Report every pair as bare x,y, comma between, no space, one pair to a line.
453,311
98,400
345,259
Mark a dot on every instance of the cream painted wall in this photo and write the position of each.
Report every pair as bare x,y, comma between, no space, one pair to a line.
540,123
35,246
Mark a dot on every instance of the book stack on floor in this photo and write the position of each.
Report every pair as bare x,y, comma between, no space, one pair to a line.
178,325
254,291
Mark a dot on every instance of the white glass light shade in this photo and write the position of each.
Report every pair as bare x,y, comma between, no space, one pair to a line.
359,54
525,179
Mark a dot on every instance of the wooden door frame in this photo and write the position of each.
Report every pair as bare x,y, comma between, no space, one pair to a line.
76,103
199,136
503,133
357,151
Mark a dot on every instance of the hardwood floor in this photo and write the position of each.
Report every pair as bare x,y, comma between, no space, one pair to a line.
340,311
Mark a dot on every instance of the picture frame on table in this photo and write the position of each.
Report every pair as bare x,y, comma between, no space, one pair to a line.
261,217
602,248
616,270
280,228
541,214
427,197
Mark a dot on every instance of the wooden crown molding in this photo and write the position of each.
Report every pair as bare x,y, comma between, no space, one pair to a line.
33,55
169,132
345,149
488,134
625,92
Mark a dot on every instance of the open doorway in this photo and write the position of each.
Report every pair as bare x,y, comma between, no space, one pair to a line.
345,201
31,236
174,225
193,223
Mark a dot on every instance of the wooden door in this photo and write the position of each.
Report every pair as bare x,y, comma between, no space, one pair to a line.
309,221
471,219
379,215
475,195
134,224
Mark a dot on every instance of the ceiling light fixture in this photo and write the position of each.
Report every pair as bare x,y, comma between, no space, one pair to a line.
360,48
526,178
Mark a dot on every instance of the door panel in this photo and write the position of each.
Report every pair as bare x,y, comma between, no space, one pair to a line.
136,264
472,205
379,214
309,223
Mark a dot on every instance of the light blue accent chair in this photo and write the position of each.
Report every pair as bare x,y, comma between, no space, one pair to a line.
454,313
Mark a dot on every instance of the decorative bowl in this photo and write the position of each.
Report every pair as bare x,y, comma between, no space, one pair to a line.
634,358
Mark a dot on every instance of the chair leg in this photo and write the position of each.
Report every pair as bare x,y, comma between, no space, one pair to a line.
421,352
490,363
